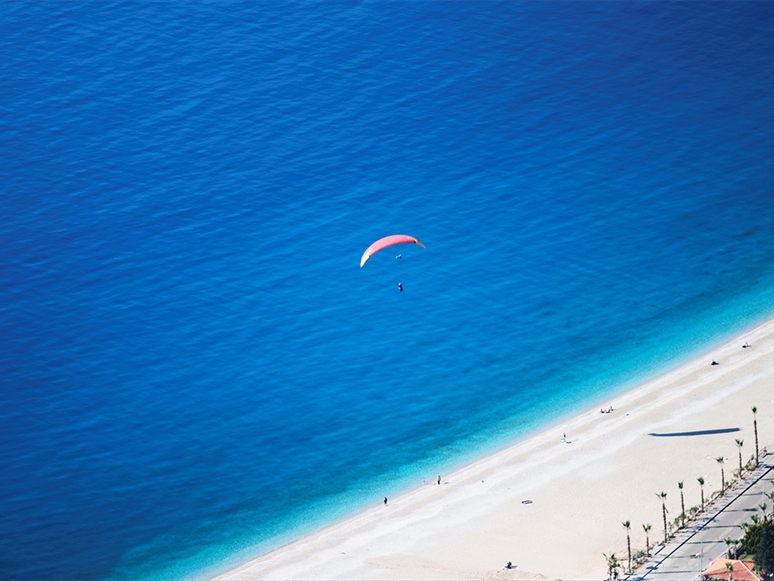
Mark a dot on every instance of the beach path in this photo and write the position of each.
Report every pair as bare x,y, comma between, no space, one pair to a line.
701,542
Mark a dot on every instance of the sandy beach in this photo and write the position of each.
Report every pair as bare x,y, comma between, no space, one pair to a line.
608,470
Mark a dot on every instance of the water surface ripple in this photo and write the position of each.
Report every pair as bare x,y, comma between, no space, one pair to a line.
193,369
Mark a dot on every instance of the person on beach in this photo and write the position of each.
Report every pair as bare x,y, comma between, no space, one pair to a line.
714,362
439,480
385,501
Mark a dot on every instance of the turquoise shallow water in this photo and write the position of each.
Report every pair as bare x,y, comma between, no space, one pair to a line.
193,369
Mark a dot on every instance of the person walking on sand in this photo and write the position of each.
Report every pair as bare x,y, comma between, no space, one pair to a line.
385,501
439,480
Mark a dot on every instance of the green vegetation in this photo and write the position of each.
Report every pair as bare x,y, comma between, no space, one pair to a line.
755,428
628,525
758,541
730,543
663,496
752,534
700,479
646,528
612,565
764,551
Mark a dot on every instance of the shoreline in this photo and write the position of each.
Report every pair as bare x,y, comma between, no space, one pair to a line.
464,528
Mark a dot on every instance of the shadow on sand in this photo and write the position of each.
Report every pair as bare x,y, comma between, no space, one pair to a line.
696,433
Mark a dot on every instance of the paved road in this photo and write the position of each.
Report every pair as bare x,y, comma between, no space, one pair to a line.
689,553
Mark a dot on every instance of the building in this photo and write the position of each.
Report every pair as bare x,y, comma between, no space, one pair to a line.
741,571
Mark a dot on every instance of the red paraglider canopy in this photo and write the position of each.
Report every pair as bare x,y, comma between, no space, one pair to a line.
385,242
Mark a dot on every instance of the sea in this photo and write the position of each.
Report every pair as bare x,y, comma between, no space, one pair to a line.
195,369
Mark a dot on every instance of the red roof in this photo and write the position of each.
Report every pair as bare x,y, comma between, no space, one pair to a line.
742,570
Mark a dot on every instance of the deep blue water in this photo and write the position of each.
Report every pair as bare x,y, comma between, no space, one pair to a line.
193,369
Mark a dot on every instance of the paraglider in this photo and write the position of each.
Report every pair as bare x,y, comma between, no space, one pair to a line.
386,242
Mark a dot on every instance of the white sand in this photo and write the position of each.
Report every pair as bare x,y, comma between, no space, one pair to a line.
610,471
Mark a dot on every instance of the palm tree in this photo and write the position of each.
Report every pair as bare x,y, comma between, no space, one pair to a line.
628,525
720,460
730,569
646,528
770,496
763,506
739,444
755,429
701,483
663,496
729,543
682,502
612,565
